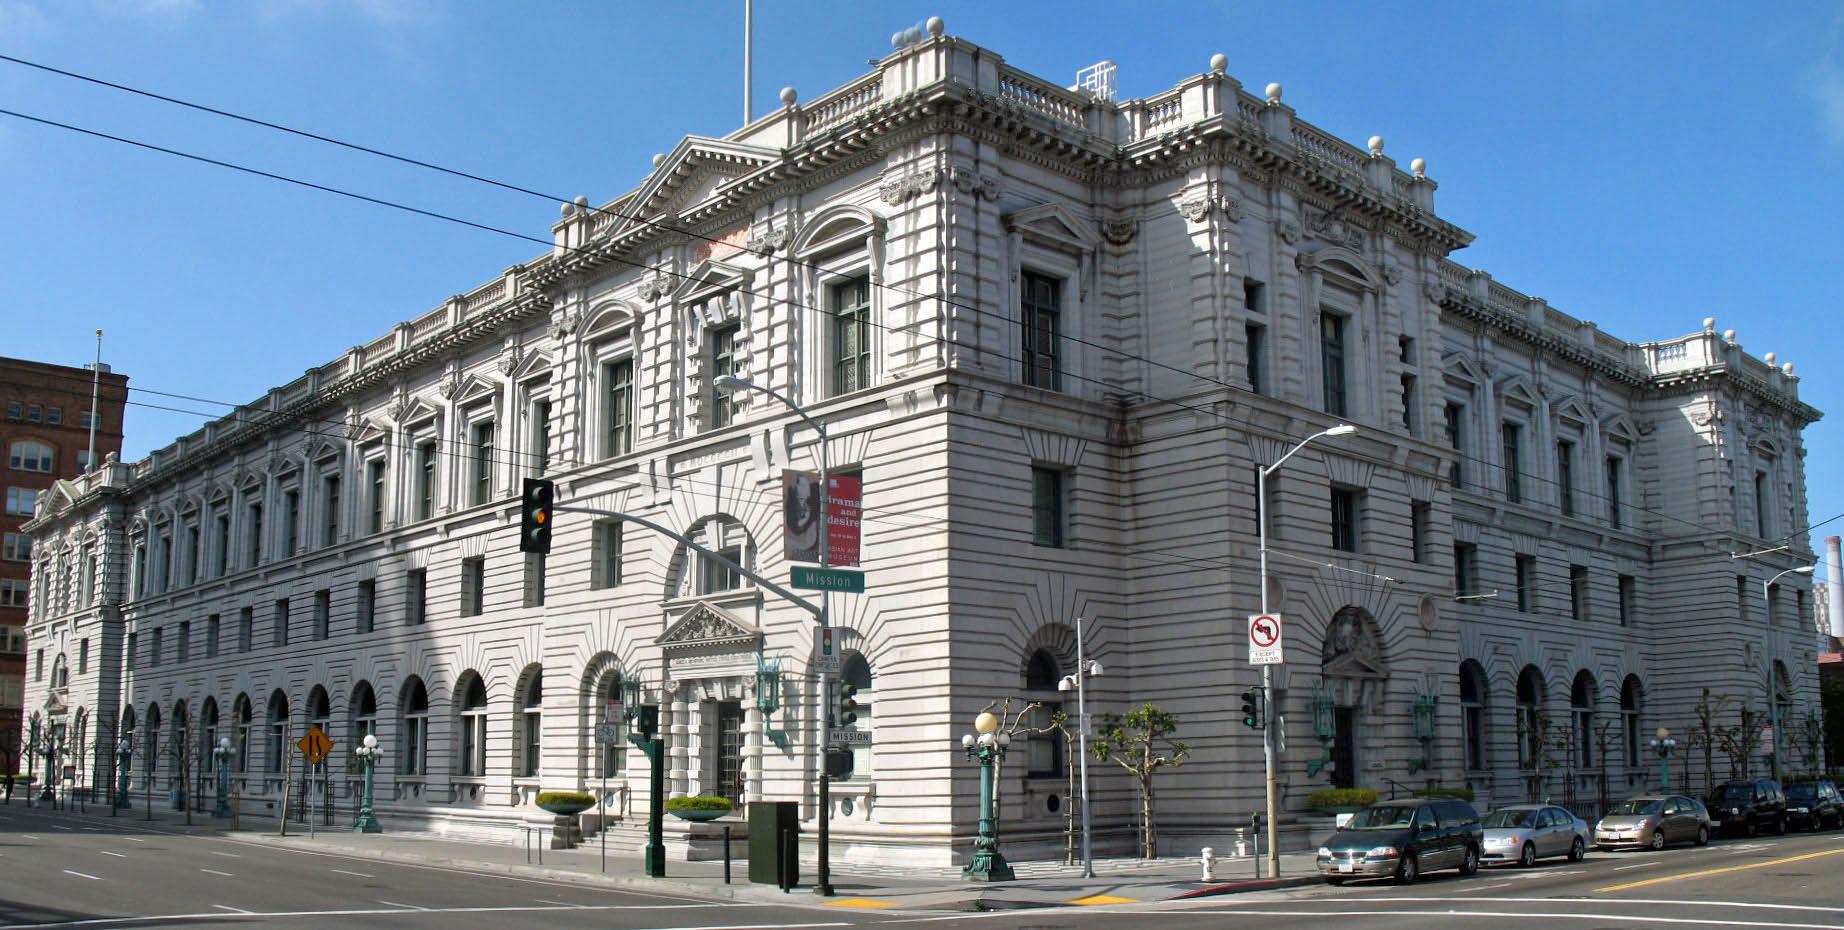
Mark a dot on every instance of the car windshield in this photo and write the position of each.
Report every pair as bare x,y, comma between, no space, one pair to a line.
1738,792
1382,817
1638,806
1506,819
1802,791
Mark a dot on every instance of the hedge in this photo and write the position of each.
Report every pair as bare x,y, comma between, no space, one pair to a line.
702,802
565,797
1342,797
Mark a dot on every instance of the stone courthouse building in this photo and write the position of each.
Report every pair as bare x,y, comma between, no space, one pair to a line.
1054,334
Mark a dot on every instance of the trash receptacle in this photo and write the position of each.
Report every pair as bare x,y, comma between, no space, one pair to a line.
774,828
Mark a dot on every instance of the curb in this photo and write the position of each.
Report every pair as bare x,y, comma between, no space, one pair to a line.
1256,884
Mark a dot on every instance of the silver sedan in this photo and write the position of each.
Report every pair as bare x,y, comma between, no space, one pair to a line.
1524,833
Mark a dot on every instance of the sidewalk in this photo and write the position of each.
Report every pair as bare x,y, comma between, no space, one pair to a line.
1039,884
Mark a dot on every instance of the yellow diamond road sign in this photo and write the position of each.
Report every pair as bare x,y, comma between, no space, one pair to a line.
315,745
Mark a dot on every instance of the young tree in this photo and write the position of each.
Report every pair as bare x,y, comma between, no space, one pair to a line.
1831,690
1706,735
1134,740
1013,726
1739,743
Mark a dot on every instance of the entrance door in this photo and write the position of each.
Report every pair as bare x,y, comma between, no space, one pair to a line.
1344,747
730,750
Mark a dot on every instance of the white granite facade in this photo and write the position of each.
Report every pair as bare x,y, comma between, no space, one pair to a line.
1176,241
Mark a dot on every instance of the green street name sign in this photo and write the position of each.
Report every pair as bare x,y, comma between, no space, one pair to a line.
812,578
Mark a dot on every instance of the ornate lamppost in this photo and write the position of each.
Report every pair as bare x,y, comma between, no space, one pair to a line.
124,754
221,754
988,746
643,732
1662,744
368,753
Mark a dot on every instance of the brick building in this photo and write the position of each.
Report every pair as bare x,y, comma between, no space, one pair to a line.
46,435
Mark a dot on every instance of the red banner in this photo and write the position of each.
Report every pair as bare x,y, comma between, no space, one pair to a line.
844,505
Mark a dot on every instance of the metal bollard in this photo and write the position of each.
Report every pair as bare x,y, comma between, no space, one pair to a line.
726,855
1209,861
790,848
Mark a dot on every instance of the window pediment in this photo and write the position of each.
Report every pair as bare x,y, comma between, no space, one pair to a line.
1056,226
836,229
695,171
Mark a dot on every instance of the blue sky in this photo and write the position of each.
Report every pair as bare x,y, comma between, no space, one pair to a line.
1642,165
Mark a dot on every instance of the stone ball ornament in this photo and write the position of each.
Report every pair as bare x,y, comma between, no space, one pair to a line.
1419,167
936,26
1273,90
1219,63
789,96
1376,146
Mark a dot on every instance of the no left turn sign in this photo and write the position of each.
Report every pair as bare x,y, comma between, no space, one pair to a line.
1264,639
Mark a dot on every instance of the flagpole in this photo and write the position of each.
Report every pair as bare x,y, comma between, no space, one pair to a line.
95,396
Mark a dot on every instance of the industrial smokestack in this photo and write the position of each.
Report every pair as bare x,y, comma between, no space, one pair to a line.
1834,584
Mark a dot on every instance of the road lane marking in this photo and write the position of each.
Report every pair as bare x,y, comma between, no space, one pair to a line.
134,839
234,910
82,875
1720,871
1636,865
558,903
216,872
27,836
225,854
411,907
1095,899
359,874
1455,913
115,854
1754,905
1490,887
871,904
59,826
236,914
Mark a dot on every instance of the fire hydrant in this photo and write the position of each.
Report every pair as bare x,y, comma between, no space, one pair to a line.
1209,862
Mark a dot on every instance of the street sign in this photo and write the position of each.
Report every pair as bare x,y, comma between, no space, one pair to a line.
315,745
853,737
607,734
826,658
1264,639
811,578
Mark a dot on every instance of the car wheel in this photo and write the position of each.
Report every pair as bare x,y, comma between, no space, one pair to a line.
1334,880
1750,828
1469,863
1408,870
1658,838
1703,836
1578,850
1815,823
1780,826
1527,856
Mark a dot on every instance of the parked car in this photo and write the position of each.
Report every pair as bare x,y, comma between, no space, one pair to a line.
1524,833
1653,821
1403,839
1814,805
1747,807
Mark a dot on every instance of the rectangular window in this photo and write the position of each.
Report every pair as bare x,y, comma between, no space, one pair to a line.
20,501
185,642
606,571
1047,524
1763,512
1254,296
1742,606
159,647
425,480
1332,361
1465,559
1256,345
1628,589
1041,308
192,553
1578,592
368,606
87,420
1344,512
89,575
374,496
1613,491
482,447
133,661
1409,403
139,568
281,622
1418,530
323,613
1526,583
213,630
534,579
14,410
473,585
1455,416
416,596
1512,444
851,336
1773,604
291,522
18,548
721,344
1799,606
221,529
246,629
255,531
35,413
329,517
715,576
54,415
1565,476
13,593
618,412
83,655
541,435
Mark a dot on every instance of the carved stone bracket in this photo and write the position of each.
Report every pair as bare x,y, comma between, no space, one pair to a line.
1391,272
652,289
770,240
968,181
1196,206
1288,230
1119,232
909,185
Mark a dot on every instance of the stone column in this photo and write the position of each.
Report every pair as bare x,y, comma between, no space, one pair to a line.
752,745
679,750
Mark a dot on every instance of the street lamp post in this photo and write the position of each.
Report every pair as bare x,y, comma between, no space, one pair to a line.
221,756
1079,682
988,746
124,754
368,752
1267,671
643,732
730,384
1663,743
1767,664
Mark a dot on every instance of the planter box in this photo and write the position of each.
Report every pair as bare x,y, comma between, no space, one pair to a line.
697,816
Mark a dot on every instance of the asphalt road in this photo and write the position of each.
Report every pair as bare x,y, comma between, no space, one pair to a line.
57,871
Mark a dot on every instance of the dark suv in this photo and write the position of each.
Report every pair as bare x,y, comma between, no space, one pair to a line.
1814,805
1748,807
1403,839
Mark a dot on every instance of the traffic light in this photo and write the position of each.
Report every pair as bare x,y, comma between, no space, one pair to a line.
1252,701
846,712
535,515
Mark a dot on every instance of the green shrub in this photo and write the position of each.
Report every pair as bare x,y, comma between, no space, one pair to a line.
565,797
1463,794
702,802
1342,797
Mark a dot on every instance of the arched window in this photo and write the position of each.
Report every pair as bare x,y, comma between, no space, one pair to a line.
1044,751
856,672
208,731
1531,718
320,710
242,713
608,696
1473,691
726,538
60,672
471,744
150,757
127,729
1783,703
1632,697
364,710
31,456
278,731
1583,697
413,739
531,723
